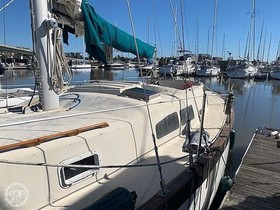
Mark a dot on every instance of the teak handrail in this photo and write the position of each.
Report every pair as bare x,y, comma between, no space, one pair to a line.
39,140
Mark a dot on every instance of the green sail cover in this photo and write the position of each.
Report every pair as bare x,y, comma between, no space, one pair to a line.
98,31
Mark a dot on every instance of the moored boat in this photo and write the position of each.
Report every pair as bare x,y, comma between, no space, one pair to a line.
114,66
274,74
242,70
274,71
106,144
2,68
207,71
178,67
17,97
81,67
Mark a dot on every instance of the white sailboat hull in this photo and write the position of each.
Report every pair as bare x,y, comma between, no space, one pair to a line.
81,67
127,140
242,71
17,97
207,192
275,74
207,71
173,69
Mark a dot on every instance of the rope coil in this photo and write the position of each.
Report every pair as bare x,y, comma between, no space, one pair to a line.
60,75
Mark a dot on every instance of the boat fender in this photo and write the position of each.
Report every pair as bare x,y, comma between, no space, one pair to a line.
187,85
118,199
192,144
226,184
232,139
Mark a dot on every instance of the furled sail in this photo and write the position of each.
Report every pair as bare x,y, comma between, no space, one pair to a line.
98,31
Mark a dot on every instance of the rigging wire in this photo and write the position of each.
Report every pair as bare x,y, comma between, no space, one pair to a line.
5,59
3,8
162,182
213,29
91,166
6,5
175,21
84,113
183,34
35,62
157,27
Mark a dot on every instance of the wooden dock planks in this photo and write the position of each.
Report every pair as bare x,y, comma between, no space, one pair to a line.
257,184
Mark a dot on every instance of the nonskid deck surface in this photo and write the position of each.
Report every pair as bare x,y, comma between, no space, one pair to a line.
78,109
84,109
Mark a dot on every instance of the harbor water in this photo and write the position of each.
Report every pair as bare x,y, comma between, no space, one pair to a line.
256,102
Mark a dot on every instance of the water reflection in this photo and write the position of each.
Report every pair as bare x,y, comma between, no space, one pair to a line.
275,87
102,74
25,78
256,105
17,78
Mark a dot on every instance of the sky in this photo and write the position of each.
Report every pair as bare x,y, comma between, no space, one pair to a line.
156,21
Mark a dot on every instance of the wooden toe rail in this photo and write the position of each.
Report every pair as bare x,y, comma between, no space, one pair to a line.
39,140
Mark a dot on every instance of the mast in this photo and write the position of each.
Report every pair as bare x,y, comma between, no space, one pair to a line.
197,35
84,51
148,30
277,53
213,29
264,43
175,34
223,47
269,48
251,36
259,48
247,46
207,49
183,34
44,51
176,25
254,26
239,47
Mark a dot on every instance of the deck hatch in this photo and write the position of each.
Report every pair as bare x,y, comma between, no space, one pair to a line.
69,176
141,93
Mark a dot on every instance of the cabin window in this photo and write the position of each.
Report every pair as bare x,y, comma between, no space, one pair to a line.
185,114
167,125
69,176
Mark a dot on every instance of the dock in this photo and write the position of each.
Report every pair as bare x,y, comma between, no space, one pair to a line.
257,182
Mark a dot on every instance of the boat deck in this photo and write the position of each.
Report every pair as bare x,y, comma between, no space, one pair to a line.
104,104
257,182
88,108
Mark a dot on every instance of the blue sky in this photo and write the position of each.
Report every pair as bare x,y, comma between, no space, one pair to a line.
154,23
